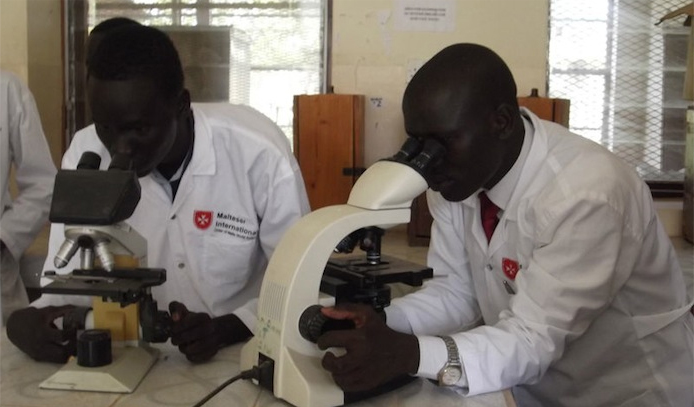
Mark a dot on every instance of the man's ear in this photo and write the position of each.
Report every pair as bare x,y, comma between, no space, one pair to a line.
504,120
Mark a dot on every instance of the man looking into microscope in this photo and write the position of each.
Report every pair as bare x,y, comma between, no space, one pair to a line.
572,277
197,164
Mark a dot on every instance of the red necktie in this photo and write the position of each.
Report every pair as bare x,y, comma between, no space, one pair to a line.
489,215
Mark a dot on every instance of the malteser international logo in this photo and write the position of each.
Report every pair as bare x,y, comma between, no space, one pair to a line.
510,267
235,225
202,219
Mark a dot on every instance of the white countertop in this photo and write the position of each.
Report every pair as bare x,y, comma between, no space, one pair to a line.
173,382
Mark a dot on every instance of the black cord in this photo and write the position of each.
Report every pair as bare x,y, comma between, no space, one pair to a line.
252,373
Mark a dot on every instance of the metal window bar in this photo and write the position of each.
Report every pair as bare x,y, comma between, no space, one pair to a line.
624,77
301,24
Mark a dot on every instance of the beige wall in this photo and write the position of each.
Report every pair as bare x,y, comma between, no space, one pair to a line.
372,57
13,38
30,46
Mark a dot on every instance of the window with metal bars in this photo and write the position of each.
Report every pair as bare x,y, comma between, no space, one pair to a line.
624,76
255,52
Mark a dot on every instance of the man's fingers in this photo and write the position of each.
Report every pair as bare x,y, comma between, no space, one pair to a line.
342,365
59,336
335,313
344,338
51,352
192,330
177,310
198,332
53,312
357,313
201,349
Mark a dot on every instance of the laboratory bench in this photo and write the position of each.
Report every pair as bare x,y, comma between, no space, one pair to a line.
175,382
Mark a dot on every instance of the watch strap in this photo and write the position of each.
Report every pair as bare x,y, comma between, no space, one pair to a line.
452,371
452,349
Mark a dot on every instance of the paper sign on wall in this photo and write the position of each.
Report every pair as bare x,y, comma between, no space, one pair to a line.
424,15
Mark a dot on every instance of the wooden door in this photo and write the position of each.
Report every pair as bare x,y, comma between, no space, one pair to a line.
329,145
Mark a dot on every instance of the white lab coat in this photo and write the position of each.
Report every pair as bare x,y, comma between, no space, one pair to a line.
244,176
600,314
22,145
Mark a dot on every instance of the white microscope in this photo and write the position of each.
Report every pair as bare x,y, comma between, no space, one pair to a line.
291,291
113,259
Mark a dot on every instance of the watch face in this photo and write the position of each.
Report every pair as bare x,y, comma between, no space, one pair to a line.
450,375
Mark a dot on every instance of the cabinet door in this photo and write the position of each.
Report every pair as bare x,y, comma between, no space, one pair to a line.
419,228
328,144
555,110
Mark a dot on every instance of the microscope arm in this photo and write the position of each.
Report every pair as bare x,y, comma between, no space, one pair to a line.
382,197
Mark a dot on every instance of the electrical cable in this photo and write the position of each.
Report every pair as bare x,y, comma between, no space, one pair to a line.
252,373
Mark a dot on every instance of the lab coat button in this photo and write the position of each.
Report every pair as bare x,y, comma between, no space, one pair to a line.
181,265
173,216
489,267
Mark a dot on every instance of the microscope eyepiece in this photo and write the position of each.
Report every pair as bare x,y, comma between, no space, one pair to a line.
418,155
89,161
409,149
432,151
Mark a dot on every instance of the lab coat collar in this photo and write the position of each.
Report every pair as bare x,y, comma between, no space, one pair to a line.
204,158
203,161
533,162
525,169
501,193
507,192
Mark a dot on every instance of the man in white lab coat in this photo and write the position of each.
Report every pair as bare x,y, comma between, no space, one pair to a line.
569,291
22,146
219,187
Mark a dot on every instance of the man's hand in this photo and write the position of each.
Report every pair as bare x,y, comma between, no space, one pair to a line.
33,331
375,353
199,336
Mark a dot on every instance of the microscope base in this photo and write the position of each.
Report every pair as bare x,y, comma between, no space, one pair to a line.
123,375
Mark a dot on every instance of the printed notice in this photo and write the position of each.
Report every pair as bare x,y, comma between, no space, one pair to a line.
425,15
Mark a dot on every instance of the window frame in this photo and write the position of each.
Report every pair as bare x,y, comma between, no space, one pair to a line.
659,188
76,20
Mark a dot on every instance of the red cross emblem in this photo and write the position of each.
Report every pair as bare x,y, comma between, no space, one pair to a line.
510,267
202,219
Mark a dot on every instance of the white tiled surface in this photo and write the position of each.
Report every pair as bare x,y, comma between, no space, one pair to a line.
174,382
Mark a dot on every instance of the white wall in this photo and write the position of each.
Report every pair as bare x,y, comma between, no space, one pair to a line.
372,57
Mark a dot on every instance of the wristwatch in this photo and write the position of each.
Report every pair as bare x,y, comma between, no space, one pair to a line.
452,371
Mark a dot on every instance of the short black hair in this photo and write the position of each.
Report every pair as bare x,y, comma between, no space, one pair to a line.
137,51
100,30
113,23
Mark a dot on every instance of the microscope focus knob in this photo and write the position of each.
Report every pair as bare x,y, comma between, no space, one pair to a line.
313,324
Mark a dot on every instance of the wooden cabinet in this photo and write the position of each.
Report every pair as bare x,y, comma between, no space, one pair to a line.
419,228
329,145
555,110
